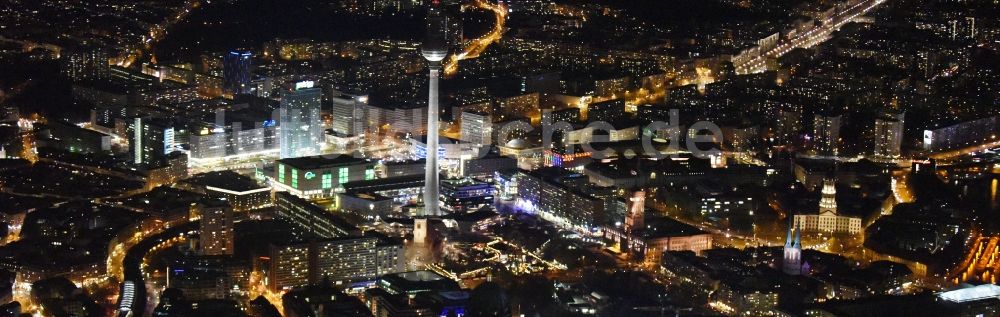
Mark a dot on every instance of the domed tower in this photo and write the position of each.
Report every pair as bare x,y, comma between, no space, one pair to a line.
434,49
435,46
828,202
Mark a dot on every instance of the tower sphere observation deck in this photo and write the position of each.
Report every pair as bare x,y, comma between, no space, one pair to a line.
435,46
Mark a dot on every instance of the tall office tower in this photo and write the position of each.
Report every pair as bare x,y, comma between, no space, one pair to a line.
216,231
434,49
826,134
90,63
792,264
300,126
476,128
348,114
152,139
888,135
236,72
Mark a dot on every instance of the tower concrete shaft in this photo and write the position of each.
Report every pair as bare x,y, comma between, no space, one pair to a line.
432,170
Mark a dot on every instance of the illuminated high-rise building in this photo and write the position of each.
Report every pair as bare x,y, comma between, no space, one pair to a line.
300,129
826,134
476,128
888,136
787,125
236,72
87,64
152,139
311,219
216,227
348,114
289,266
434,49
338,260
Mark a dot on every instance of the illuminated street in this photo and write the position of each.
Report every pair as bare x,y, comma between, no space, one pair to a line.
477,46
156,33
810,38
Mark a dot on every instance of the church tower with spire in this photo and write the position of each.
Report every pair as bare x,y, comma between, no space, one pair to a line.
792,264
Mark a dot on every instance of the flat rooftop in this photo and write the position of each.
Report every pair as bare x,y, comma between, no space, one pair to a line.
420,276
456,183
321,161
663,227
380,184
417,281
226,180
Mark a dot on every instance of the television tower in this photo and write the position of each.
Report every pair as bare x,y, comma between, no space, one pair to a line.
434,49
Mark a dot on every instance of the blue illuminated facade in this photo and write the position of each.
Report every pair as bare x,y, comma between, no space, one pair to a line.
236,72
